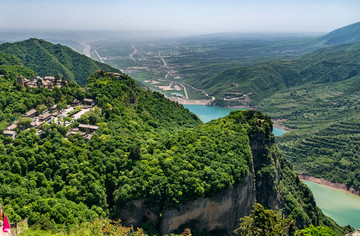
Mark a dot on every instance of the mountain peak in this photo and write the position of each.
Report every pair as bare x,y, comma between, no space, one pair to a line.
46,58
347,34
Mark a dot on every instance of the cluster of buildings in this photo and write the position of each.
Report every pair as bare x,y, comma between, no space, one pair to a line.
87,131
48,82
53,114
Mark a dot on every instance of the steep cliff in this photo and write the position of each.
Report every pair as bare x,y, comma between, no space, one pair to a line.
212,215
269,180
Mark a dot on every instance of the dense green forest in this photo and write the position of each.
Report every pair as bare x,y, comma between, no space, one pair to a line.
268,222
54,59
146,147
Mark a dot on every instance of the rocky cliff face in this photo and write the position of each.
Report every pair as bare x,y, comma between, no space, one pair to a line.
266,168
216,214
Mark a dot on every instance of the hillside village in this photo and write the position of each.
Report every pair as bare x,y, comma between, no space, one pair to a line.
48,82
35,118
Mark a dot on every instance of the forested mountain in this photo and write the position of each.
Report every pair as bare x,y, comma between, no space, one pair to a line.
325,120
324,113
54,59
347,34
6,59
149,161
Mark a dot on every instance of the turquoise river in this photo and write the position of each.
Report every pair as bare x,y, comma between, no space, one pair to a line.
340,205
208,113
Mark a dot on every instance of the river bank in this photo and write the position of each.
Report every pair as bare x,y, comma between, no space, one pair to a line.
339,186
192,101
279,124
340,205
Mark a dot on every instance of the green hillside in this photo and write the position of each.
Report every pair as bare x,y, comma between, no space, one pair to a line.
323,114
146,147
264,80
6,59
325,120
330,152
67,181
54,59
347,34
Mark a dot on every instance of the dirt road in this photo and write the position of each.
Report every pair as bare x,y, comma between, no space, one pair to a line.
86,50
133,53
97,54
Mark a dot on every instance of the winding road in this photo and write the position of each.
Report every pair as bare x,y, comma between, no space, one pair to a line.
186,95
163,60
97,54
133,53
86,50
202,91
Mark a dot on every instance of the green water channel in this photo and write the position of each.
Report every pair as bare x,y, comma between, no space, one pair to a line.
208,113
341,206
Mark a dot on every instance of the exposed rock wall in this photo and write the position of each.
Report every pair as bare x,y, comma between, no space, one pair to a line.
266,168
219,213
137,211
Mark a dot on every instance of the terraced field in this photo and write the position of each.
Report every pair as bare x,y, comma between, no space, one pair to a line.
332,153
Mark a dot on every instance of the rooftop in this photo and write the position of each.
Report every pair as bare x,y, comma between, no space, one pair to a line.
84,126
11,127
9,132
31,112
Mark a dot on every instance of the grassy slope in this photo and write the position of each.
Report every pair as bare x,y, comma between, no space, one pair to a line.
54,59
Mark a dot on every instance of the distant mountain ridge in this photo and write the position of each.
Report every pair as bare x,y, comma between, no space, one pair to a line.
251,84
347,34
46,58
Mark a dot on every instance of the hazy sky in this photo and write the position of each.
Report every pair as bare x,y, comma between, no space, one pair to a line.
195,16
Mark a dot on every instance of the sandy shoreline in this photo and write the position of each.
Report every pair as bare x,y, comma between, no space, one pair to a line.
278,124
328,183
193,102
281,127
236,107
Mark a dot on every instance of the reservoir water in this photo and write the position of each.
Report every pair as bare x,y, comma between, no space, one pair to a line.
340,205
208,113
